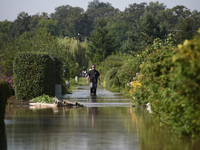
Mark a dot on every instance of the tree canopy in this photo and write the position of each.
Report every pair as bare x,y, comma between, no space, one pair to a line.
103,27
101,43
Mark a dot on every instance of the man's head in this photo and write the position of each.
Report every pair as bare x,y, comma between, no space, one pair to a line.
93,67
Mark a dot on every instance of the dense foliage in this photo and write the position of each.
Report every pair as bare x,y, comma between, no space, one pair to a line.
166,77
67,50
108,70
101,43
153,20
36,74
42,99
170,83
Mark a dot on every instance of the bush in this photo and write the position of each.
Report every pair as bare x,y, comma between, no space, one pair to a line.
35,74
108,70
111,62
110,78
171,83
5,92
155,63
184,107
128,71
59,78
155,75
42,99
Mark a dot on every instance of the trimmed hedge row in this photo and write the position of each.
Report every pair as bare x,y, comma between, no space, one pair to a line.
5,92
36,74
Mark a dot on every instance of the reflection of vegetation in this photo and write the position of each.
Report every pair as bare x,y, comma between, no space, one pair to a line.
5,92
153,136
3,141
129,121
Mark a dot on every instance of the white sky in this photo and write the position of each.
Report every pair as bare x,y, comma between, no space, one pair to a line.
9,9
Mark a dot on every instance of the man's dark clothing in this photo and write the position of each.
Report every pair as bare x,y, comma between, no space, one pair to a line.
93,74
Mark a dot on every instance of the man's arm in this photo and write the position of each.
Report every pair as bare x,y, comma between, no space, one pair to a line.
88,79
99,80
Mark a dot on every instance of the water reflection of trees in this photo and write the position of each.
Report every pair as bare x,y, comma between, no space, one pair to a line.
153,136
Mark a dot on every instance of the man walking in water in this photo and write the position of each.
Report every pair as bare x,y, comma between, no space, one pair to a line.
93,75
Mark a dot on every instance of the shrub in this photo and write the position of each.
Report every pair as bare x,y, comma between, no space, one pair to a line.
59,78
155,63
111,62
184,107
35,74
42,99
171,83
128,71
110,78
155,75
108,70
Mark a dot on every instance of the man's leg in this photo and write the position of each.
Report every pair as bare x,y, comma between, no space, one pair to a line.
91,87
95,88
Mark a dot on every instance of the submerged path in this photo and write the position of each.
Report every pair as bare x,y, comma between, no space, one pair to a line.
103,98
107,122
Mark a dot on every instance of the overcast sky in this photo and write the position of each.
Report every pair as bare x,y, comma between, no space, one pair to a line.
9,9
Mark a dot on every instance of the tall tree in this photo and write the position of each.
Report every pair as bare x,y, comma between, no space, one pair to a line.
5,31
167,18
49,26
146,30
36,18
6,27
118,30
135,11
101,43
77,23
60,15
195,16
155,7
186,31
21,24
97,9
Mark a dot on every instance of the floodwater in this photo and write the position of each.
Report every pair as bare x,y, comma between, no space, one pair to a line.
107,122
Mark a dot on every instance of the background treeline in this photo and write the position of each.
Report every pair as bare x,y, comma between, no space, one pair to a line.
129,27
79,38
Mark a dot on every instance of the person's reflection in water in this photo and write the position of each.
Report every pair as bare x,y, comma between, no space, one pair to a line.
3,141
93,111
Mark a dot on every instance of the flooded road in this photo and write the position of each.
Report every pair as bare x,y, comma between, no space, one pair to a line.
107,122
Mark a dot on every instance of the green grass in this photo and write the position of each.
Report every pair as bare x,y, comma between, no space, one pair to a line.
81,81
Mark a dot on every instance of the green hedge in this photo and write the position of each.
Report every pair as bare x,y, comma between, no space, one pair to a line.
110,79
171,83
108,70
36,74
59,78
128,71
5,92
110,62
